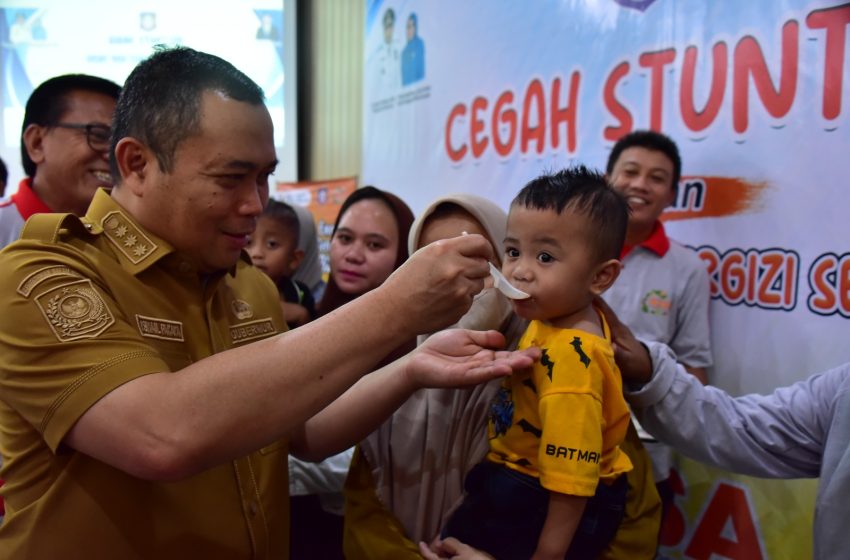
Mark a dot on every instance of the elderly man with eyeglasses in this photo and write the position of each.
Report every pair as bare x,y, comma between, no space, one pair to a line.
64,150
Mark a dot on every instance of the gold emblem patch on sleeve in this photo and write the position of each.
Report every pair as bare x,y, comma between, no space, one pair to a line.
75,310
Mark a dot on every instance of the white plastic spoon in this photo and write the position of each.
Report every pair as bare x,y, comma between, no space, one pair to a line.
501,283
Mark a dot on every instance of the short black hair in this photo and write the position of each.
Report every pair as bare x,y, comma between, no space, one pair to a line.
161,100
285,215
650,140
389,17
49,102
585,192
4,175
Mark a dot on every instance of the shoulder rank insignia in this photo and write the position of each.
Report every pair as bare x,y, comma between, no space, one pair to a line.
127,238
75,310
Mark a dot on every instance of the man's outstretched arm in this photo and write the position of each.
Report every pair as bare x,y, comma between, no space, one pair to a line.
167,426
780,435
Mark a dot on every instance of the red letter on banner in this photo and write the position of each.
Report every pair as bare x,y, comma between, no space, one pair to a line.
750,60
656,61
728,504
477,126
617,110
673,524
694,120
505,117
458,110
565,114
834,20
534,94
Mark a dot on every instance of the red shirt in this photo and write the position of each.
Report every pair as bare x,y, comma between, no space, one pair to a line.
657,242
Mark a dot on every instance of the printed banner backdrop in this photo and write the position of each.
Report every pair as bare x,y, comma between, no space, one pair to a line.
481,96
323,199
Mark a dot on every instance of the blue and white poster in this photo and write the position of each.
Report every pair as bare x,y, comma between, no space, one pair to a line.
40,39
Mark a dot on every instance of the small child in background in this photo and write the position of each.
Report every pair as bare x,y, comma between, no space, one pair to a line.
273,248
554,429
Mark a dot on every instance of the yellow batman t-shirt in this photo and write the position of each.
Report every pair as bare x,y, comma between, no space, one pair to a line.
563,419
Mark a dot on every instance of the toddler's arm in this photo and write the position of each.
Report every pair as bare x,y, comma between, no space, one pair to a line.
562,520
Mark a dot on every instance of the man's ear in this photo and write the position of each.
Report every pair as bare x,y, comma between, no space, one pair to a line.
295,260
34,142
605,275
134,163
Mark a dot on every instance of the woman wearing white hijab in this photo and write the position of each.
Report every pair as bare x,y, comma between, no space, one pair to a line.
407,477
416,461
310,270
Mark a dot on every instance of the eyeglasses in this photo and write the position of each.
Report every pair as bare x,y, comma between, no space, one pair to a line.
97,135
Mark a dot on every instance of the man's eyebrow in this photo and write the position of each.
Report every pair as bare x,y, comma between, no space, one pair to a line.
651,169
241,164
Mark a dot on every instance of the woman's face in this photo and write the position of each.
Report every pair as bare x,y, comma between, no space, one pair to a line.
455,223
364,247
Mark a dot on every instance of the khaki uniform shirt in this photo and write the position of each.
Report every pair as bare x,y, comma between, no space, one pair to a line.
87,306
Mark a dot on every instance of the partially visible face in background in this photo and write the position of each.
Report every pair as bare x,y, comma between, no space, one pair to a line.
364,247
452,224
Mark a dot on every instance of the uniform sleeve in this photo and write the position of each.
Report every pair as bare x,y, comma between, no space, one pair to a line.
64,342
692,338
781,435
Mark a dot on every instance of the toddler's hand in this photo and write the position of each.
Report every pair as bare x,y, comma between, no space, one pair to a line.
451,548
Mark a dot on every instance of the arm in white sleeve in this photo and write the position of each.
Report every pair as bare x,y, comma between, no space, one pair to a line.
325,477
780,435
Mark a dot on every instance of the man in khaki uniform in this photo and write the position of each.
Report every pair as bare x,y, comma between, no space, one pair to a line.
147,403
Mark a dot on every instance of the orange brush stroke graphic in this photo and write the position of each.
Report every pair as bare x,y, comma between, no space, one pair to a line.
723,196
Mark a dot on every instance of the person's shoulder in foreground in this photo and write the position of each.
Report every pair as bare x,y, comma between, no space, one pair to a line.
151,405
802,430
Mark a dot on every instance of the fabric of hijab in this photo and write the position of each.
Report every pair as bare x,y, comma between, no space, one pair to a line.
421,454
310,270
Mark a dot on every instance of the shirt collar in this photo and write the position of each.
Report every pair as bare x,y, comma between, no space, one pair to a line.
27,201
657,242
136,248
